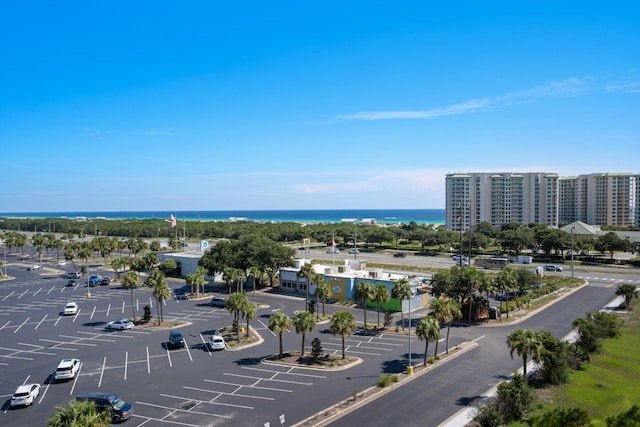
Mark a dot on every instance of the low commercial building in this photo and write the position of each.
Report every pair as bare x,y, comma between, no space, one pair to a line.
342,280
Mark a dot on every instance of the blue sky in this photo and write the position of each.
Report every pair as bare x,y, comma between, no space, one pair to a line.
204,105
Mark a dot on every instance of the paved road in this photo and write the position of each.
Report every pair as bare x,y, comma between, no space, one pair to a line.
434,397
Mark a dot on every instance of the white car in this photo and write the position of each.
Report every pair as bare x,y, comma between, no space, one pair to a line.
215,341
120,324
67,369
35,267
25,395
552,268
62,263
71,309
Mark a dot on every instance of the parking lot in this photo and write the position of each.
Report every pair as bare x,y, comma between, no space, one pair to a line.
186,386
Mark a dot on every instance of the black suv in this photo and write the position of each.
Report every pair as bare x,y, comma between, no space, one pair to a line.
119,409
175,339
399,255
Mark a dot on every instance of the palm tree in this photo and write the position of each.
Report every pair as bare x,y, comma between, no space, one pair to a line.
303,322
506,281
627,291
487,285
307,272
427,329
249,311
343,324
235,304
161,291
278,323
254,273
196,280
380,295
401,290
526,343
131,281
317,279
446,311
79,413
364,291
323,292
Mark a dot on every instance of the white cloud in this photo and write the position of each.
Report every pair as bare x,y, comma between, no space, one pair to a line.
568,87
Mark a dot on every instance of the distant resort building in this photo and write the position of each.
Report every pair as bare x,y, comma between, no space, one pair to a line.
342,280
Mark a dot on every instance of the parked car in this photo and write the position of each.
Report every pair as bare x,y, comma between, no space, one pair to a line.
67,369
333,251
215,341
120,324
354,251
62,263
399,255
94,280
176,340
219,302
25,394
73,275
105,280
552,268
72,283
71,309
34,267
118,408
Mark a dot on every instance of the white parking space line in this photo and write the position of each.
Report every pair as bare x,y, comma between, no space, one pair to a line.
35,350
205,344
12,292
288,372
23,294
11,356
52,288
75,380
273,378
3,326
223,393
265,326
36,293
104,362
169,356
148,364
249,386
76,316
108,309
180,410
122,307
126,361
207,402
186,346
23,323
92,313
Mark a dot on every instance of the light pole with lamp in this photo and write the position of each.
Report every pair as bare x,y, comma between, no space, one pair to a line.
572,228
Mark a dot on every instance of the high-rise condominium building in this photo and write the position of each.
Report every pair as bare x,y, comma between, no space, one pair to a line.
600,199
498,198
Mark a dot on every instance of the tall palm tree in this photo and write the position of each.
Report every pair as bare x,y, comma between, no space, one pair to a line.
307,272
446,311
131,281
343,324
364,291
235,304
161,292
526,343
506,281
249,311
303,322
627,291
317,279
279,323
380,295
323,292
401,290
427,329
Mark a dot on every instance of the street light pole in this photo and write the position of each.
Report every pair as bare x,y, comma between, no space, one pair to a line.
409,368
572,228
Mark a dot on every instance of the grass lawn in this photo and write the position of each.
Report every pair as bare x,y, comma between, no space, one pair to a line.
608,385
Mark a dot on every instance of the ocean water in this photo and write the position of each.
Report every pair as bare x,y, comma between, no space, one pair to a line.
392,216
